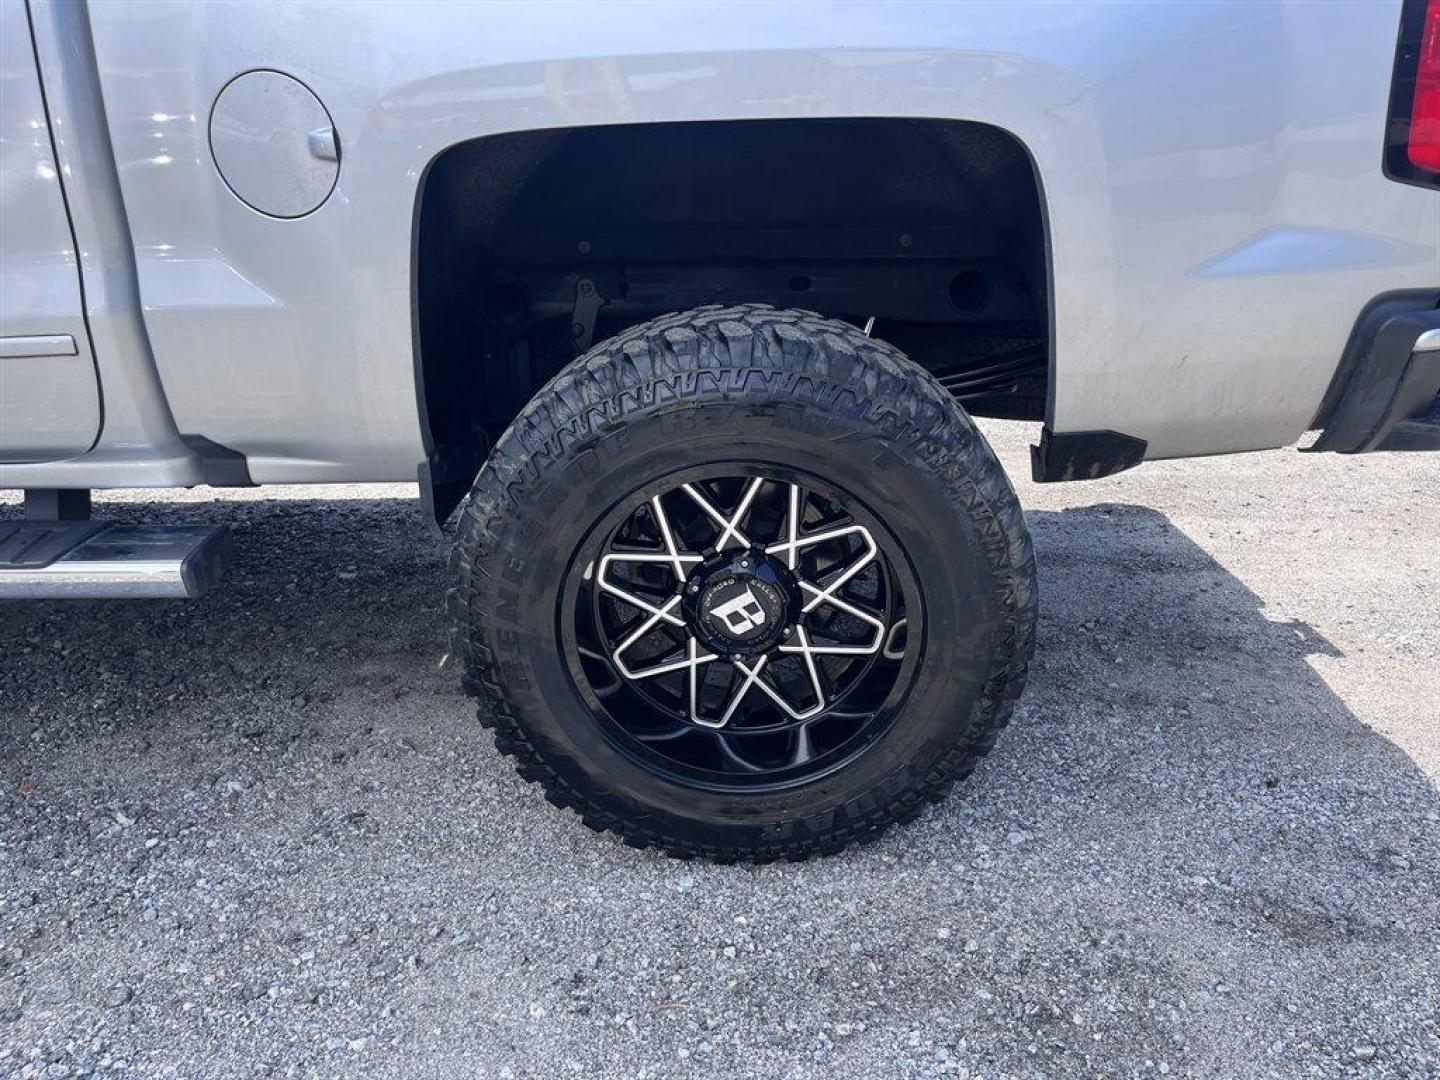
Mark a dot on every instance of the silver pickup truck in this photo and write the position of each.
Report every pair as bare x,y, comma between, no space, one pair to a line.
683,311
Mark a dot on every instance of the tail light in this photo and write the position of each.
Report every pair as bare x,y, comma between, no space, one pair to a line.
1424,143
1412,145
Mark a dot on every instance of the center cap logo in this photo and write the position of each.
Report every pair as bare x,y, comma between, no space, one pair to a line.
740,607
742,615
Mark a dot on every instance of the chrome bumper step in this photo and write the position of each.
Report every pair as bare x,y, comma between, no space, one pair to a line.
59,560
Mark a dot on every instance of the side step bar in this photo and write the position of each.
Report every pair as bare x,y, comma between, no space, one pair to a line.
59,560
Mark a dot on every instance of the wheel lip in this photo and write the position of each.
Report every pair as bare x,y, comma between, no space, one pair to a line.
588,551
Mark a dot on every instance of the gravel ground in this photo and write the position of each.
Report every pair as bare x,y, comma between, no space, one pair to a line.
262,834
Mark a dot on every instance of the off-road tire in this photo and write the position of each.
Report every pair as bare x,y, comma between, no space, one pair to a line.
785,384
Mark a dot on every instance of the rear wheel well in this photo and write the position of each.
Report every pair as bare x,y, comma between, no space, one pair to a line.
533,245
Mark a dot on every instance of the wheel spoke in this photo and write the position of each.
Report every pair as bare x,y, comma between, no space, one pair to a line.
797,543
643,629
692,660
728,526
752,677
779,699
842,650
792,525
821,595
808,652
660,611
693,649
676,561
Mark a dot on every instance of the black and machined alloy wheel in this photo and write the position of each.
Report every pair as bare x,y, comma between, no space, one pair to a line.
744,584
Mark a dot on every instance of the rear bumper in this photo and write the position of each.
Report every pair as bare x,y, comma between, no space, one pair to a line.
1386,394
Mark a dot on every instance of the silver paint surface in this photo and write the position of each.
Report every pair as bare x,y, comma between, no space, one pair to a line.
1211,172
268,136
49,396
139,443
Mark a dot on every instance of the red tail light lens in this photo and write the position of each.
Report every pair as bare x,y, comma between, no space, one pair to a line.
1423,144
1412,133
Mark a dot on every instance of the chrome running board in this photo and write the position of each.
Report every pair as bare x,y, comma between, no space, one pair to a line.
61,560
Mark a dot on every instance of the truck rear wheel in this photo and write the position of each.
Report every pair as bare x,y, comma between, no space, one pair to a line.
745,584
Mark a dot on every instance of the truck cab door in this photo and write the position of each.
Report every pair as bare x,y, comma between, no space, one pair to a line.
49,391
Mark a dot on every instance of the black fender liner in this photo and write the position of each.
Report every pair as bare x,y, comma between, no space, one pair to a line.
1083,455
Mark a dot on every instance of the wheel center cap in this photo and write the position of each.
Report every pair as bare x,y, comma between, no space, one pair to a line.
741,603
